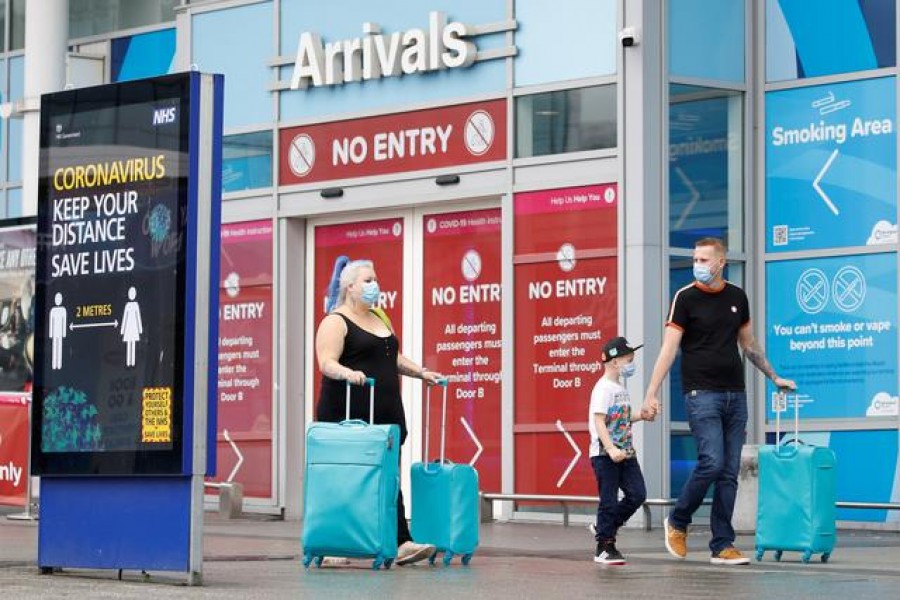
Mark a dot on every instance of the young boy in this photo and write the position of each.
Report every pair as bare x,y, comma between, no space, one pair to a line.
612,453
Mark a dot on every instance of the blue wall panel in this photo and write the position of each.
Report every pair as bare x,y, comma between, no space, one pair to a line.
556,45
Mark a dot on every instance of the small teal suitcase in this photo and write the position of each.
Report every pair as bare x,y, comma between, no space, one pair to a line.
444,499
796,505
350,490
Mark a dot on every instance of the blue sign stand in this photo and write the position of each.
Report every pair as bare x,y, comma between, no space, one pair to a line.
126,490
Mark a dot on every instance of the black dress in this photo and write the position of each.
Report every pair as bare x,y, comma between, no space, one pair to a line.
375,356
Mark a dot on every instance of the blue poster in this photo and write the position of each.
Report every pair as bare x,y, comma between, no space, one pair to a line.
831,166
831,327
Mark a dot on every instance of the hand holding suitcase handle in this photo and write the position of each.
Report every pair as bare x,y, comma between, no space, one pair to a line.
443,383
371,383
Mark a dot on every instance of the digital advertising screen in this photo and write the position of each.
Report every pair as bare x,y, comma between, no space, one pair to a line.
111,267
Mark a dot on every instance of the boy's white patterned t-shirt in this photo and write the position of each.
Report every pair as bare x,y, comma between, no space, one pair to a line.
612,399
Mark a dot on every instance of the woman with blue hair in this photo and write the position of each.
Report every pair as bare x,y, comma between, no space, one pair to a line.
353,343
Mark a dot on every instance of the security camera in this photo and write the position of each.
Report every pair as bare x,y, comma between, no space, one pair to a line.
629,37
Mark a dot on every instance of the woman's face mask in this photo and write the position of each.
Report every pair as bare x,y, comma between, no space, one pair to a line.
370,293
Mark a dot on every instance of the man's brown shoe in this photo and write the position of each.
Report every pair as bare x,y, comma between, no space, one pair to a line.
729,556
676,540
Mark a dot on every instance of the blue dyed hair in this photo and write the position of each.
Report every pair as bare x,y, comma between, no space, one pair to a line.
334,285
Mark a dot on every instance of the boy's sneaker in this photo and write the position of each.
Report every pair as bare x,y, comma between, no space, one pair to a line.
729,556
607,554
676,540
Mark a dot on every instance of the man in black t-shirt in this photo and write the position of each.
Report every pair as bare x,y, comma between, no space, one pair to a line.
708,320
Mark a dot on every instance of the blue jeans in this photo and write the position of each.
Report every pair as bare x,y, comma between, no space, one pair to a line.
718,421
612,513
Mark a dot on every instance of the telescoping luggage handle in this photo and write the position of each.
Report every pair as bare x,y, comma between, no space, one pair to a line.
443,384
371,383
779,405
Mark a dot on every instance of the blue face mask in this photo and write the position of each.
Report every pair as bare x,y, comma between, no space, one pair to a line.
627,370
370,293
703,273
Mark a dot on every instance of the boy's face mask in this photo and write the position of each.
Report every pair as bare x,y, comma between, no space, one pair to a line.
627,370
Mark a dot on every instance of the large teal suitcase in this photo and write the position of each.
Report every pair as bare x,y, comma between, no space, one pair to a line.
350,493
444,499
796,505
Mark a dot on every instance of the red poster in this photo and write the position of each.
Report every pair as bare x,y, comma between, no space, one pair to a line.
410,141
462,337
566,306
244,443
14,433
379,241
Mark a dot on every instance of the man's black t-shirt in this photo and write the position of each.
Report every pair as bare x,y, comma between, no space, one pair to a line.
710,322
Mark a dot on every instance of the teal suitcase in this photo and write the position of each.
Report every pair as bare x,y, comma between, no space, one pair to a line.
350,492
444,499
796,505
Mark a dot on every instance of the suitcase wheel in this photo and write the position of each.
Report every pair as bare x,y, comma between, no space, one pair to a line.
388,563
307,559
432,558
466,559
778,554
319,560
448,558
807,555
826,556
376,564
759,554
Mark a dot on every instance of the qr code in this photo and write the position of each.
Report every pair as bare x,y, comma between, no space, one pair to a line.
780,235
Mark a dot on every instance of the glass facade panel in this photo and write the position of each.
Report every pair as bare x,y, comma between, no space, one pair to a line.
706,183
247,161
14,203
706,39
566,121
2,24
94,17
17,25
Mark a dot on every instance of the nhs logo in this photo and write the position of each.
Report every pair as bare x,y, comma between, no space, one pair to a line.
164,116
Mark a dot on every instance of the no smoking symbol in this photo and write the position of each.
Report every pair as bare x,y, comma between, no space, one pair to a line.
812,291
849,289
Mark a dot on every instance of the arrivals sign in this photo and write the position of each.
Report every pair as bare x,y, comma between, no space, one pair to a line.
461,325
831,166
566,297
425,139
376,54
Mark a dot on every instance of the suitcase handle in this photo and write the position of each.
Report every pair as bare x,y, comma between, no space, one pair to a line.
781,449
444,384
371,383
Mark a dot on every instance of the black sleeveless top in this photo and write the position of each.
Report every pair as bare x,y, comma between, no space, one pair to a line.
375,356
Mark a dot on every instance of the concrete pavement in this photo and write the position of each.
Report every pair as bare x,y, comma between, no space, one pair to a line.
260,558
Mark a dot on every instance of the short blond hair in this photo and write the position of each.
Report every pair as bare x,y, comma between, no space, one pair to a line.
716,243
